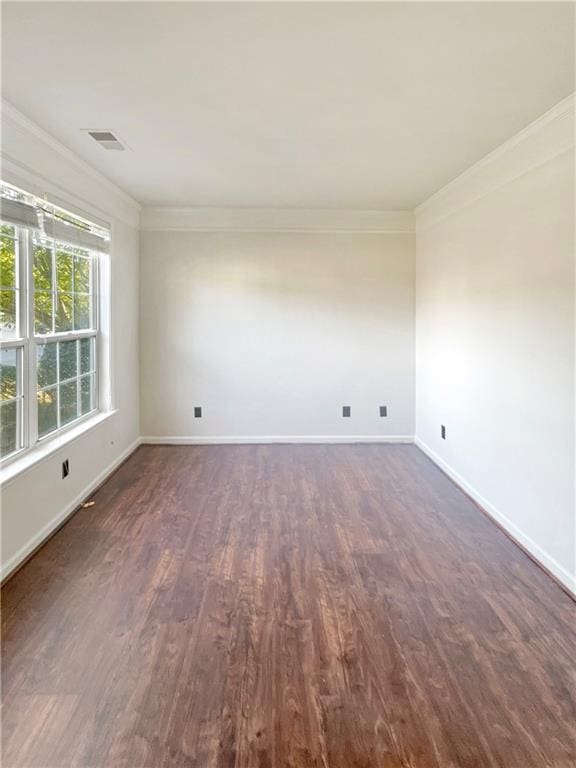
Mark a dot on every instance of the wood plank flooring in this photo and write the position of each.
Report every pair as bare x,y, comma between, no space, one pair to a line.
336,606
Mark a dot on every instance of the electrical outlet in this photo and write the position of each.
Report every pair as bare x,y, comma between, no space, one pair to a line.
443,431
65,469
346,411
383,411
197,412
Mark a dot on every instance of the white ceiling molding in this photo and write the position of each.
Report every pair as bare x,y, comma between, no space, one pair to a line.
275,220
541,141
19,161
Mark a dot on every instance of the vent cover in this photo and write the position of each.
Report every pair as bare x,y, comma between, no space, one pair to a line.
107,140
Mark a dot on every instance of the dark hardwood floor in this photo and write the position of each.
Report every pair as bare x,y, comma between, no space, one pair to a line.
333,606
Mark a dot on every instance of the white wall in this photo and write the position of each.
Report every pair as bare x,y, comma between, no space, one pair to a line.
495,336
272,332
37,500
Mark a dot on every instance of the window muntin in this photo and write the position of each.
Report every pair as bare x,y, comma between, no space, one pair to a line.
48,319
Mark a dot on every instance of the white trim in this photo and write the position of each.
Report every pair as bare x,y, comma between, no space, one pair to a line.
9,110
267,439
45,532
552,134
567,579
275,220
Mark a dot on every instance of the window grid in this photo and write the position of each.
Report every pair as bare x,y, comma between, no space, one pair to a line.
82,375
80,302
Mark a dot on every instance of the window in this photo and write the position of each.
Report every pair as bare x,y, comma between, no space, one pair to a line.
49,332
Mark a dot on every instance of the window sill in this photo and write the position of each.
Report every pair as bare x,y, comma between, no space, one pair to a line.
42,451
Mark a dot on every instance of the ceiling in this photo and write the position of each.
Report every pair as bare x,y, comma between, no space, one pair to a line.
297,105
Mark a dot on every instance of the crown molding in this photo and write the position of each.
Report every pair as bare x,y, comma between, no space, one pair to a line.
9,111
275,220
550,135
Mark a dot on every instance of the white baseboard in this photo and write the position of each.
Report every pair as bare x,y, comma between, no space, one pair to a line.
564,576
256,440
24,552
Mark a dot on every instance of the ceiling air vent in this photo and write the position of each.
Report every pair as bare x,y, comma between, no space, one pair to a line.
107,140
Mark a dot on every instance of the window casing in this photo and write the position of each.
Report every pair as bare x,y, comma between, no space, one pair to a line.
49,320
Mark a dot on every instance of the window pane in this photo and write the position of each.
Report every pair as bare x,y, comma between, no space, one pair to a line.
86,355
81,274
9,441
43,312
42,267
68,402
47,411
7,262
64,267
82,319
8,373
86,393
46,364
64,312
8,314
68,362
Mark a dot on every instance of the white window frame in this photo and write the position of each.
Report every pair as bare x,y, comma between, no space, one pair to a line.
20,343
28,341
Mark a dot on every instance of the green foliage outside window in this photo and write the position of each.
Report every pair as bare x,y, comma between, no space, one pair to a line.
7,280
8,430
66,293
7,257
8,357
